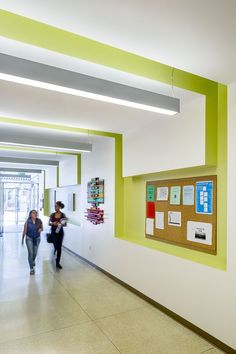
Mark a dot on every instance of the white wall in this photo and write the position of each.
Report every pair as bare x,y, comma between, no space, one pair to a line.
63,194
168,143
89,240
203,295
68,170
50,176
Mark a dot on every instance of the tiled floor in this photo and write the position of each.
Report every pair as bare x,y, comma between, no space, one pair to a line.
79,310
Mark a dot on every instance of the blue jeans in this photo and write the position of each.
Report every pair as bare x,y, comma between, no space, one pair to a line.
32,245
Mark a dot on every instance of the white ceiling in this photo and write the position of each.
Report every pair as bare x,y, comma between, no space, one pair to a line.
196,36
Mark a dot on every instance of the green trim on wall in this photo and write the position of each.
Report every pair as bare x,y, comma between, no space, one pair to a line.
47,202
58,176
130,192
78,169
119,188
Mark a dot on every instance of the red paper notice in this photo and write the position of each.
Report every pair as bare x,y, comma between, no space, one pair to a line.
151,210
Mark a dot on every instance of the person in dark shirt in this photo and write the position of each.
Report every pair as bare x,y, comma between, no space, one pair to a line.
32,229
57,221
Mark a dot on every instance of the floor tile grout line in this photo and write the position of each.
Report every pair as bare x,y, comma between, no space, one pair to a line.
110,340
206,351
119,313
93,320
72,297
42,333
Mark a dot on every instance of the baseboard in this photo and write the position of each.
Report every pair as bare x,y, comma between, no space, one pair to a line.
216,342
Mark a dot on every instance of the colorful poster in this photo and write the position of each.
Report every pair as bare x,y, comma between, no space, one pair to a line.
175,192
174,218
204,197
151,210
200,232
150,226
162,193
188,195
150,193
159,220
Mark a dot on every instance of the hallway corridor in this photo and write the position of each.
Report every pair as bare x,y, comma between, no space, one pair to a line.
79,310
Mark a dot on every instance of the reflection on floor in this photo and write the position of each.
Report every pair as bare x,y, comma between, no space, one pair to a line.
78,310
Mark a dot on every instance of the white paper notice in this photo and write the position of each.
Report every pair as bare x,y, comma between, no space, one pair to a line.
162,193
159,220
149,226
174,218
200,232
188,195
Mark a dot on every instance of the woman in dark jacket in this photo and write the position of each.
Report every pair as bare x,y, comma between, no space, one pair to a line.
32,230
57,221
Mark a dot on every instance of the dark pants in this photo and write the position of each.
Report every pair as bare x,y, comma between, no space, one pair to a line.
57,240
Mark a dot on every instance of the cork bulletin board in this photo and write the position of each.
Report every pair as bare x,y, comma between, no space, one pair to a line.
183,212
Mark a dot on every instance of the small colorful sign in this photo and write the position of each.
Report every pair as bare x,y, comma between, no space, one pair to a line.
204,197
150,193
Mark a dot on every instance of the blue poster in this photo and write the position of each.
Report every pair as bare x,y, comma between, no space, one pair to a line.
204,197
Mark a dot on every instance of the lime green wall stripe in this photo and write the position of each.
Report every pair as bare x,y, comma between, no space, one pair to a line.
58,180
59,127
78,169
46,202
119,189
32,32
222,173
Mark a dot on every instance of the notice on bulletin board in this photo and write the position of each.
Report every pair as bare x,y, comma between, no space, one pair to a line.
200,232
175,195
188,195
160,220
174,218
162,193
204,197
149,226
150,193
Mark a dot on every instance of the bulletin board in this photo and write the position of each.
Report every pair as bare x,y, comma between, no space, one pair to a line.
183,212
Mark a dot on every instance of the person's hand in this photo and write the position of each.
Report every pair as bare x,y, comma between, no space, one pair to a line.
40,230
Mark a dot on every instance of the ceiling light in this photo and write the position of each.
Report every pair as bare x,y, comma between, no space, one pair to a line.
81,147
51,78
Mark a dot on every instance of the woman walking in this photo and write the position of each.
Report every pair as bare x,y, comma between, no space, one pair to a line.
57,221
32,229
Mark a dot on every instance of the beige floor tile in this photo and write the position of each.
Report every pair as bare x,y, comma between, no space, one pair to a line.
28,286
147,330
79,339
39,313
82,278
214,351
106,299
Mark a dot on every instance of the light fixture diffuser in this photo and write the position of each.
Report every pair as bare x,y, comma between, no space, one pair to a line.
51,78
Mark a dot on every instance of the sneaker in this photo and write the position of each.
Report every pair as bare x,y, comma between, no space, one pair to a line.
32,271
58,266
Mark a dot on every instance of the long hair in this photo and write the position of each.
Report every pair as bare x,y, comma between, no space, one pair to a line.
38,222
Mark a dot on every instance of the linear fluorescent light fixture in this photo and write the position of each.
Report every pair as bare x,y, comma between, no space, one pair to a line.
79,148
52,78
